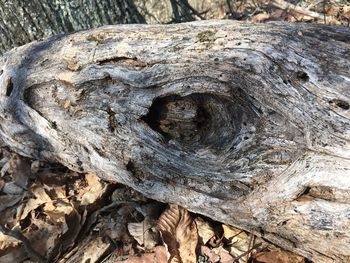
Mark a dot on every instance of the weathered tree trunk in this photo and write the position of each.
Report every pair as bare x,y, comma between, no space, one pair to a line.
247,124
24,21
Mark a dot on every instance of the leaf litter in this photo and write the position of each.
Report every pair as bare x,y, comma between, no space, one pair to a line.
51,214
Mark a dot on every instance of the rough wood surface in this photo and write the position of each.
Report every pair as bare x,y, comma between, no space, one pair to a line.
247,124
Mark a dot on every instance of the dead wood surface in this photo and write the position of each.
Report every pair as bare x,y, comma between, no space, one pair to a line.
248,124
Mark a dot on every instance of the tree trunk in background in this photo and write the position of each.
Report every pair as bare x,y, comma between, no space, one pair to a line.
183,11
25,21
247,124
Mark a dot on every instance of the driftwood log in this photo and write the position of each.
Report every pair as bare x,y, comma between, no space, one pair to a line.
247,124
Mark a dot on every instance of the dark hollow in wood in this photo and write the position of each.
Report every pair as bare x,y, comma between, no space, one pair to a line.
247,124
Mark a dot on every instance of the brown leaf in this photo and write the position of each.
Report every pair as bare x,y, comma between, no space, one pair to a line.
280,256
216,255
144,233
238,241
259,18
42,235
20,170
72,227
40,198
205,231
115,224
93,191
179,232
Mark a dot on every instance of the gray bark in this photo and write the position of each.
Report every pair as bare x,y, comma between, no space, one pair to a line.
24,21
247,124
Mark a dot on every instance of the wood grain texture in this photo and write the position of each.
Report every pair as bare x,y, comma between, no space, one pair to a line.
247,124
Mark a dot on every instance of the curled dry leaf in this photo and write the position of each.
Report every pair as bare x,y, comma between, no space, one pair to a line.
205,231
20,170
39,198
43,235
7,242
179,232
144,233
73,223
217,255
94,190
238,241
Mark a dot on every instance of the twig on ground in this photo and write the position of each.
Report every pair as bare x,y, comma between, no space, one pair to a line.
281,4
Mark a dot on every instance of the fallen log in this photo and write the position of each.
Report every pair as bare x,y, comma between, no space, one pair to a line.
247,124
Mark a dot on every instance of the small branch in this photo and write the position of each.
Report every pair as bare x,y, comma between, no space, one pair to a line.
281,4
32,254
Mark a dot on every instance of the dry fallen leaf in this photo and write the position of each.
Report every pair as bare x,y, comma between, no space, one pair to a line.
217,255
179,232
144,233
205,231
42,235
20,170
39,198
93,191
278,256
238,241
72,226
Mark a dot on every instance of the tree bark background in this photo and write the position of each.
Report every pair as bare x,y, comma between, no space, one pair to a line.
249,130
25,21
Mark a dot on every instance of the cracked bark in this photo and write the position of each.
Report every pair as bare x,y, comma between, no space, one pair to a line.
247,124
25,21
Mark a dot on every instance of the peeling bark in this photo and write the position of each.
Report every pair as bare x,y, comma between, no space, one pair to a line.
247,124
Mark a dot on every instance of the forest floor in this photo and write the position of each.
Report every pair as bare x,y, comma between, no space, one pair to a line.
52,214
